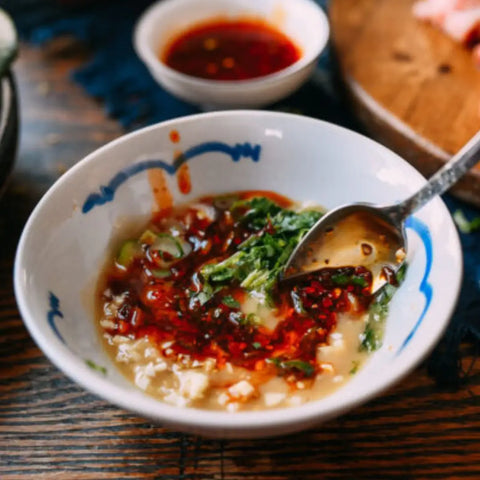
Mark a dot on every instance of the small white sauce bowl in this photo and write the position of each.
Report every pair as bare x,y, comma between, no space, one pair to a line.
303,21
70,233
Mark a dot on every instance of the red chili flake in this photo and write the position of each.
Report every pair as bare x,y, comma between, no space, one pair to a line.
123,327
327,302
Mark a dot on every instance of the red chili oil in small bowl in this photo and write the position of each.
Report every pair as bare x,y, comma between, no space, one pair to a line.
230,50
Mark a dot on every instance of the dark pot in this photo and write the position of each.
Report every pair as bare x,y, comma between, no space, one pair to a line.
8,98
8,127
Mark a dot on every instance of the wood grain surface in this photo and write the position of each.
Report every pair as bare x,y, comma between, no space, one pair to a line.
52,429
415,89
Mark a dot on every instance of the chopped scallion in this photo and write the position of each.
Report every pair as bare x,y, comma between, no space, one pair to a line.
288,365
161,273
96,367
229,301
127,254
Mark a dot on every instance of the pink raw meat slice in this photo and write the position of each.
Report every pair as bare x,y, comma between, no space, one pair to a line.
463,25
456,17
460,19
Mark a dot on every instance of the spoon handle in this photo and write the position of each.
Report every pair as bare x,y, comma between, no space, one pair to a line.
443,179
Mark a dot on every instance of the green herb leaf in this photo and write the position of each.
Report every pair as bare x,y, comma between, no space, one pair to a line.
372,336
229,301
343,279
256,211
355,365
256,345
305,367
261,257
340,279
288,365
359,281
401,272
96,367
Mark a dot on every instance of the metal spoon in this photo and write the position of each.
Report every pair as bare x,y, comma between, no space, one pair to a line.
369,235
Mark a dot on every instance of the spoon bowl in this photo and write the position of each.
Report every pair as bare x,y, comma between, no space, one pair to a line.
359,234
373,236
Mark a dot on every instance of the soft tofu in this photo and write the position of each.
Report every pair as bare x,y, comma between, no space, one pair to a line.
273,398
173,398
327,352
192,384
142,377
127,353
242,389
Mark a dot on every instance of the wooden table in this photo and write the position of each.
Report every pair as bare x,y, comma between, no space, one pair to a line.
52,429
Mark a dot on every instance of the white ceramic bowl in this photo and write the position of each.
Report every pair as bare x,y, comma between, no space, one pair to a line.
68,235
303,21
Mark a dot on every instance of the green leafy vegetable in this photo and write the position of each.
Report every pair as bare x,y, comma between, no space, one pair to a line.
465,225
371,338
260,259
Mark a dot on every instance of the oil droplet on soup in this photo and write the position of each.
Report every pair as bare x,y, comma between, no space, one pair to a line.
192,311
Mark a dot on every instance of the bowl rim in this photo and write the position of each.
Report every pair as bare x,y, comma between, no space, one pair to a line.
146,53
243,424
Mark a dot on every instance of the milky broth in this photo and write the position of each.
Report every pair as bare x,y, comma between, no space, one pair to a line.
139,360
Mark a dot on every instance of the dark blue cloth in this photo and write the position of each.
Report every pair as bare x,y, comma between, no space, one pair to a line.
117,77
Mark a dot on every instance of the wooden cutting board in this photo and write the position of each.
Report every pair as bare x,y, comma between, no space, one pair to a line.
414,89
